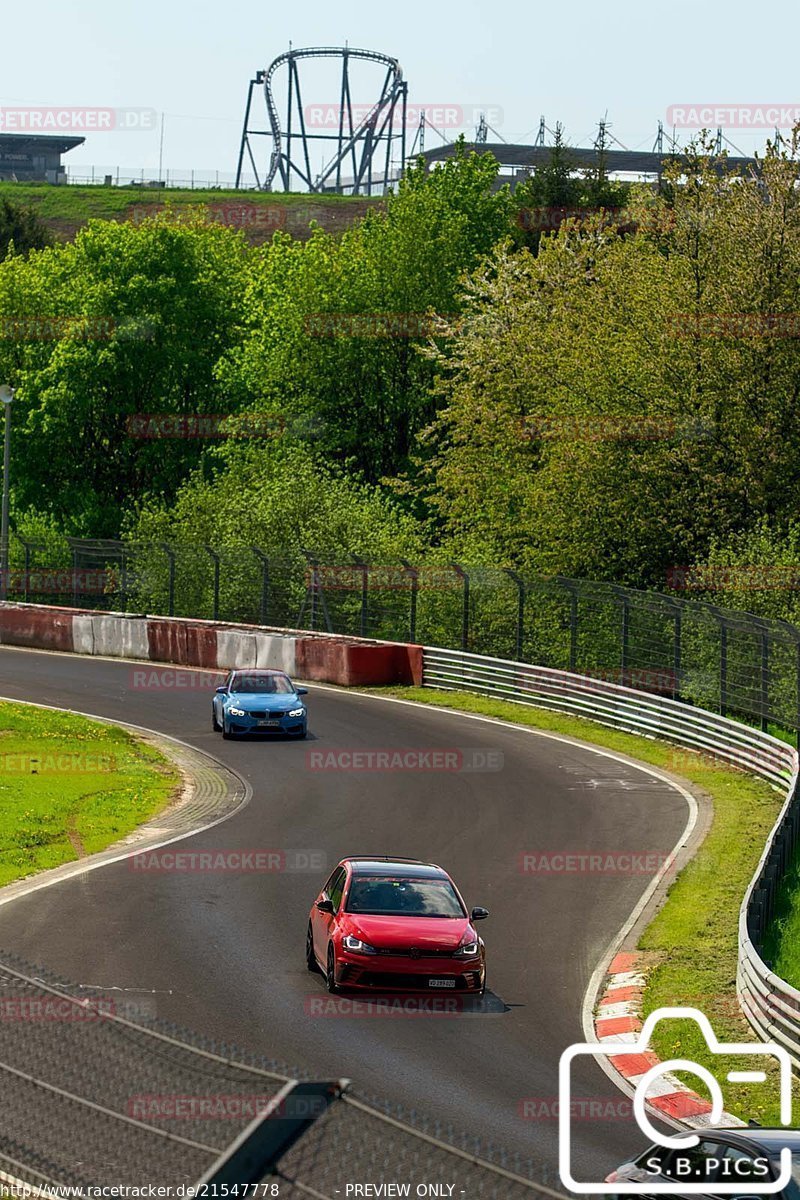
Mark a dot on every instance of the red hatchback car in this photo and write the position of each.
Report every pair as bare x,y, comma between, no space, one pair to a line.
394,925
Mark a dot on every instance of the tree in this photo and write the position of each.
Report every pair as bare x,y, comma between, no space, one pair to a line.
612,404
558,191
21,229
127,322
335,324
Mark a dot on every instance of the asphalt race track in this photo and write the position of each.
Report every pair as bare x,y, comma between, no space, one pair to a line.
223,952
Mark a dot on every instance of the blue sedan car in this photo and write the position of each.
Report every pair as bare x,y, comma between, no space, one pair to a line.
259,702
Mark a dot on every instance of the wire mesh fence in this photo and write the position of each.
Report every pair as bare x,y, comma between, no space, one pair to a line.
733,663
96,1092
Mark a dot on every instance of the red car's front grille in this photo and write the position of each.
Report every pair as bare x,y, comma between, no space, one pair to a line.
418,952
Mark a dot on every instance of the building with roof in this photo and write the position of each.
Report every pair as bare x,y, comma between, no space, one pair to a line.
34,158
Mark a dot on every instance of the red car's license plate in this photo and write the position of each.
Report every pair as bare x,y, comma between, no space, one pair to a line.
445,983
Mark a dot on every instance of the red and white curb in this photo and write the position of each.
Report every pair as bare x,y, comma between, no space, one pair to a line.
617,1020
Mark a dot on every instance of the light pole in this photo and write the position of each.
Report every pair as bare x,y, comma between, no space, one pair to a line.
6,395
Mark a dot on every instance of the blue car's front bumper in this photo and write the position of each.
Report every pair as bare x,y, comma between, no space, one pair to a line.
264,721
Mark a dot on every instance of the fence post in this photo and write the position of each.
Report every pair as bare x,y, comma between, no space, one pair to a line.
315,591
264,606
520,608
625,639
364,568
212,554
74,576
723,667
170,553
259,1147
676,656
573,630
413,573
123,596
764,678
462,574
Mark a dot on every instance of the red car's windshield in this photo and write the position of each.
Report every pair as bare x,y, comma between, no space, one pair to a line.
404,897
261,684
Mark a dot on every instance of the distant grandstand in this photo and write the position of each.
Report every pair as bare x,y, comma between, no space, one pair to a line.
517,162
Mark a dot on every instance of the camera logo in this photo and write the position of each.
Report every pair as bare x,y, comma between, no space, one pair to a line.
682,1141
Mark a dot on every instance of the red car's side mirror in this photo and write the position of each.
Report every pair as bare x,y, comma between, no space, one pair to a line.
325,906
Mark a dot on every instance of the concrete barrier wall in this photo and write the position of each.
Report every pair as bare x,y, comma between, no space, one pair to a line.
327,658
277,651
43,627
119,637
83,634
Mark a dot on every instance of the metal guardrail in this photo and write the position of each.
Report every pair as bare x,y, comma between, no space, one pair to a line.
771,1005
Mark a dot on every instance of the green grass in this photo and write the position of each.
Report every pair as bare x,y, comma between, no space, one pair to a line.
70,787
691,944
782,947
75,205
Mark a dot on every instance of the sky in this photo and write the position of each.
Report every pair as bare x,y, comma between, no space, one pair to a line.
633,63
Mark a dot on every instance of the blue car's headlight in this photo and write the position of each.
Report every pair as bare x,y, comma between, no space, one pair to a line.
237,712
296,712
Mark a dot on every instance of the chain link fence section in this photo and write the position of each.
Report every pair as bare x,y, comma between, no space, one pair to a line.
354,1142
90,1086
733,663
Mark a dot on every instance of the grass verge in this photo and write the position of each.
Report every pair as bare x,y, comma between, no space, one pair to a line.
782,947
691,944
70,787
66,209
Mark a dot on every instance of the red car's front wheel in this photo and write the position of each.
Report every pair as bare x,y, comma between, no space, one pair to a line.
311,958
330,974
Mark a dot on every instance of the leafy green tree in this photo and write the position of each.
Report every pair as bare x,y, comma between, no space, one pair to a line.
334,325
558,191
616,402
126,323
21,229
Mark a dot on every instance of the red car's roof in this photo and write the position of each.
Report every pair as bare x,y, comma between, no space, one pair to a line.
409,868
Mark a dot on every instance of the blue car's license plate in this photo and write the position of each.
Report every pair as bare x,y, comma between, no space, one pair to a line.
269,724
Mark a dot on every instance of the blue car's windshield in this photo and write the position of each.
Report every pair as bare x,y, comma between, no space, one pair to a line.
261,684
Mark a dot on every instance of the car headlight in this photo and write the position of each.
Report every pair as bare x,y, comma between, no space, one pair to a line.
356,946
467,950
297,712
237,712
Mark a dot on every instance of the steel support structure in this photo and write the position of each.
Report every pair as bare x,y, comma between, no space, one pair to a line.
372,150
